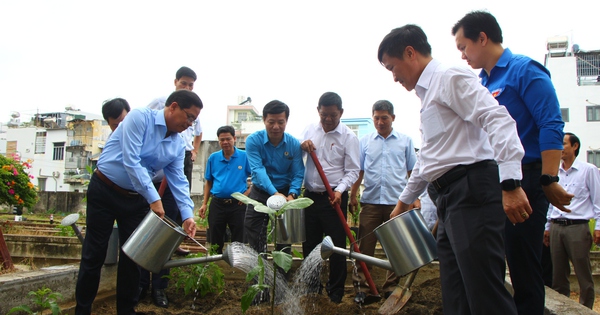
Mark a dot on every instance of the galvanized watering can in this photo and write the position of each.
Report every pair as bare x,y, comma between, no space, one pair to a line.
290,227
153,242
406,240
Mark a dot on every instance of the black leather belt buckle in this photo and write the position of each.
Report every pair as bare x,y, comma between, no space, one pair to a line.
561,221
225,201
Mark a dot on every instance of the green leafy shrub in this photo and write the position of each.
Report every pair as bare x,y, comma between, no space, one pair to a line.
15,187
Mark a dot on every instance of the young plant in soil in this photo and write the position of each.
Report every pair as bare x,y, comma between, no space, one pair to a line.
200,278
280,258
44,298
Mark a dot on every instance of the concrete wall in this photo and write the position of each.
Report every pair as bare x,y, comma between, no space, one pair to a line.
72,202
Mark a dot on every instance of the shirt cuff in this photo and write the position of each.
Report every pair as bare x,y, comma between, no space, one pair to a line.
510,170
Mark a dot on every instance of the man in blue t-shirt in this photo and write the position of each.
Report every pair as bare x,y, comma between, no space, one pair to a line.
524,87
226,173
277,168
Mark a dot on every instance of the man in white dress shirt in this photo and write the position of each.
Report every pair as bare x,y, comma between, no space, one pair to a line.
568,234
184,80
469,146
337,148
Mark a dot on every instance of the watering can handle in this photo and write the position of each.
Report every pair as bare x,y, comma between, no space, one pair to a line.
336,206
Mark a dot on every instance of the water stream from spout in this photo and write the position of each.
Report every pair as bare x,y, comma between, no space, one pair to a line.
306,279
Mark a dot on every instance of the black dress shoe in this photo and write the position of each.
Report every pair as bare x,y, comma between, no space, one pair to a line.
181,252
336,297
159,297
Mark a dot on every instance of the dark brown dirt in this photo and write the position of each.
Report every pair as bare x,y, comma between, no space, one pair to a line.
425,300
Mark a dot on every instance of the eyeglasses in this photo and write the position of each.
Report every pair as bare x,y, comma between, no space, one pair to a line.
190,118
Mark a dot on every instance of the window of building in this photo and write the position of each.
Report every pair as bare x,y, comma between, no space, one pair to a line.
40,142
11,148
59,151
354,129
564,112
242,116
593,156
593,113
588,68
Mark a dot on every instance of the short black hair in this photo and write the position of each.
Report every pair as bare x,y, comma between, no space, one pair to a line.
185,72
394,43
185,99
476,22
574,139
330,99
276,107
226,129
114,108
383,105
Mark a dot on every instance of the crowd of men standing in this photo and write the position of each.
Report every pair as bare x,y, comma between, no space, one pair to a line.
490,153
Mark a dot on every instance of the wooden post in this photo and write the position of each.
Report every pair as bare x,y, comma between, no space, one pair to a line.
4,254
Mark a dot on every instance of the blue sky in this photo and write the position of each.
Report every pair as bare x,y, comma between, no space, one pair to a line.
55,54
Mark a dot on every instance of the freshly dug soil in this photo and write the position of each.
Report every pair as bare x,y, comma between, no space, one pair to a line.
425,300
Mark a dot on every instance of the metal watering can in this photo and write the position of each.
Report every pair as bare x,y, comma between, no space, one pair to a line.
406,240
153,242
290,227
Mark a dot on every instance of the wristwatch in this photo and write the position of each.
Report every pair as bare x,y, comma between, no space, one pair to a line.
510,184
295,196
547,179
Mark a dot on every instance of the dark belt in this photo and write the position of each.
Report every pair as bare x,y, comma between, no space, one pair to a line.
532,166
458,172
115,187
225,201
566,222
322,193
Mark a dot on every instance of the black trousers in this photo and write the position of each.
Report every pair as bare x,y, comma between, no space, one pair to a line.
220,215
171,211
188,166
255,223
104,206
470,244
321,219
524,243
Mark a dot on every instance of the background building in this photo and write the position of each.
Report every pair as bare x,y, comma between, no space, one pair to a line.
576,77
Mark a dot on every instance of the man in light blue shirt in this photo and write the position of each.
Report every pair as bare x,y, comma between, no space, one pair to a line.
387,158
121,189
277,168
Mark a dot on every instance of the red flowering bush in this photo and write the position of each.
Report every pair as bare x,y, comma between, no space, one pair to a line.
15,187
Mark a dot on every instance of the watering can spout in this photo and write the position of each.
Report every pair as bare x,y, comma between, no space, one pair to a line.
327,249
227,256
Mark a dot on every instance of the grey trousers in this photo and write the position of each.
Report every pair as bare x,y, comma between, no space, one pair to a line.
572,242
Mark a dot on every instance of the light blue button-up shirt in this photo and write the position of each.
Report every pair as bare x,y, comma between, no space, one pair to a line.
385,163
138,149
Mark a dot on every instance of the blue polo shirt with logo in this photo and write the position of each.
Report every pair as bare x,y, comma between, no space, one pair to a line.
524,87
228,176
